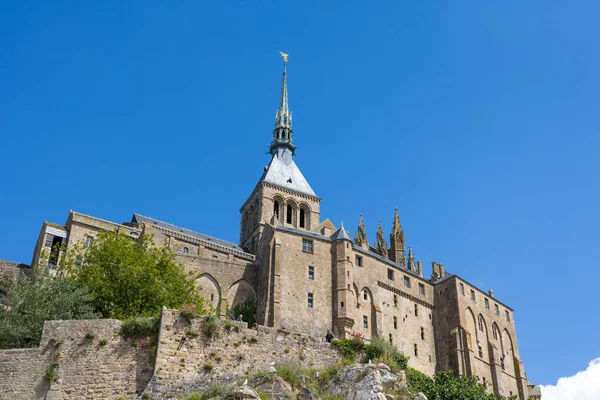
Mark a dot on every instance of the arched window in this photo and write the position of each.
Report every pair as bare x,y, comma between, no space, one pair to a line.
186,250
302,218
481,324
276,208
288,217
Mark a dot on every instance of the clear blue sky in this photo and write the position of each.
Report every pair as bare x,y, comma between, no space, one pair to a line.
478,120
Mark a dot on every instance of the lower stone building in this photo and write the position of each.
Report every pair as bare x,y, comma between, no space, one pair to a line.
307,274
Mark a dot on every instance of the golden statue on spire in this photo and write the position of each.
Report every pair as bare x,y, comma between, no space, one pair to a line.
285,56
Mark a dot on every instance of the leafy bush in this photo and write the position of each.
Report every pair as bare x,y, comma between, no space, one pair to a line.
290,372
29,301
208,367
103,342
210,326
189,311
381,351
128,277
349,348
89,335
140,327
446,386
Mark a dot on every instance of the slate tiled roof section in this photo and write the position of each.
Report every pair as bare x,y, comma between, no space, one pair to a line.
235,249
283,171
340,234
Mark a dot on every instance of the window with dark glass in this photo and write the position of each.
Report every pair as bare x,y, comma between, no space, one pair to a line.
310,300
276,208
307,245
487,303
395,323
416,350
302,218
422,333
407,282
358,261
288,217
472,295
390,274
421,288
416,310
365,295
496,309
311,273
365,322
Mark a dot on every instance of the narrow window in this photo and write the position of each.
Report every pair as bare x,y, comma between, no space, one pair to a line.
395,323
421,289
342,304
276,208
348,273
416,310
212,297
302,218
310,300
462,289
407,282
348,286
496,309
484,383
422,333
365,295
186,250
365,322
507,314
307,246
487,304
78,261
481,324
395,301
472,295
416,350
311,273
358,261
390,274
502,364
495,333
391,340
288,217
88,241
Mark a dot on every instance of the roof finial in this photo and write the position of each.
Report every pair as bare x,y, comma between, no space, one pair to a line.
284,55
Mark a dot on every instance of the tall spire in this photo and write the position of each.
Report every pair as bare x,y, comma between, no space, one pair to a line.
412,266
397,242
282,133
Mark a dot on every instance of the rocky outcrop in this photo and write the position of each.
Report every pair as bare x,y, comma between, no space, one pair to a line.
363,382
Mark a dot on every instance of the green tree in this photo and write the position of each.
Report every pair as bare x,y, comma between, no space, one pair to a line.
29,301
446,386
129,277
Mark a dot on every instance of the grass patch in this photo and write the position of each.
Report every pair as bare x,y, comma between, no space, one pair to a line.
140,327
210,326
89,335
208,367
103,342
50,375
284,331
380,350
192,333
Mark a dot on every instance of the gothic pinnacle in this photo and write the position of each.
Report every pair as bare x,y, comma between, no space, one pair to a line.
282,133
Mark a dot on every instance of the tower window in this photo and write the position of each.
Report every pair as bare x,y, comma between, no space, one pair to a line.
365,322
302,218
342,304
496,309
288,217
507,315
495,332
395,323
481,324
421,288
212,297
358,261
462,289
390,274
276,208
487,303
310,300
416,350
311,273
480,350
407,282
365,295
307,245
422,333
186,250
395,301
472,295
416,310
391,340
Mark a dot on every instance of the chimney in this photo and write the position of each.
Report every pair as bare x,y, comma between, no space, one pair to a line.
434,271
441,269
420,268
491,292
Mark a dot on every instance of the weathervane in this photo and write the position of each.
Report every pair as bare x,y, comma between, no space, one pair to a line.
285,56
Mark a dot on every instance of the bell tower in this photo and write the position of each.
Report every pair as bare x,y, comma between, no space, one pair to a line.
282,195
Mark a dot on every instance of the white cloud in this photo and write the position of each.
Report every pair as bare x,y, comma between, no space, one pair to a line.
584,385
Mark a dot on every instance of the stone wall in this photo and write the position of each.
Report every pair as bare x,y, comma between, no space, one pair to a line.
9,269
188,361
86,368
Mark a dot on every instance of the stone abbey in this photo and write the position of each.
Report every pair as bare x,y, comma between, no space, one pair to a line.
308,275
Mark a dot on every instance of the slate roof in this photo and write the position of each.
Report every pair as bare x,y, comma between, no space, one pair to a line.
137,218
340,234
283,171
